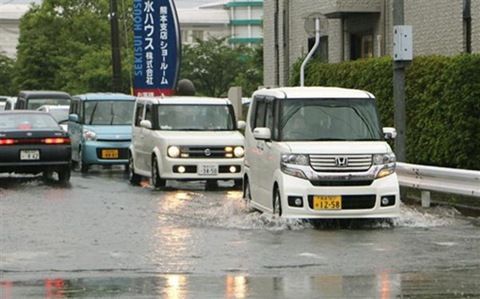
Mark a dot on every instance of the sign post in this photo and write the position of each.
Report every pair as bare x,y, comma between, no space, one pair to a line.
157,47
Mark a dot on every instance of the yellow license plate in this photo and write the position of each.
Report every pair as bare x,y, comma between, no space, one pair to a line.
324,202
110,154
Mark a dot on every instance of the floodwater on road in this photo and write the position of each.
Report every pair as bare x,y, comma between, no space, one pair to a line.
99,237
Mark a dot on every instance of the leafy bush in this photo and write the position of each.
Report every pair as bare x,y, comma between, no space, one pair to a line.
442,98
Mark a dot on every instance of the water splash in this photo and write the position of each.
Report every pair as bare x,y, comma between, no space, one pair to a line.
424,218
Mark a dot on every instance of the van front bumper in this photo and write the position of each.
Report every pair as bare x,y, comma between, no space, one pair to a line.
356,201
93,152
201,169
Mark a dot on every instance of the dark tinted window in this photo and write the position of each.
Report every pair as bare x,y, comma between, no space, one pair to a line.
260,114
139,114
148,113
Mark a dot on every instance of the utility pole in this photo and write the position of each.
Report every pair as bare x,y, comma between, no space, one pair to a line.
399,89
116,60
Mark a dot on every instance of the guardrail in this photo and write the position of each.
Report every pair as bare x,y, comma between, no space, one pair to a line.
441,179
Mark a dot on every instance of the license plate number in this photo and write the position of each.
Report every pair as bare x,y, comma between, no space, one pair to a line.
208,170
29,155
324,202
110,154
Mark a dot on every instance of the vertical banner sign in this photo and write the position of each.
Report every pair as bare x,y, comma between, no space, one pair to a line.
157,47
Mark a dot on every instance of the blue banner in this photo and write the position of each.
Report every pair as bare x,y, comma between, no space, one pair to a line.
157,48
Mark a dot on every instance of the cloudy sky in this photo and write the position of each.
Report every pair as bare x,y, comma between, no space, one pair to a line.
178,3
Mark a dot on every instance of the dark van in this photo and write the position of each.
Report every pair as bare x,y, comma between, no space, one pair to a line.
31,100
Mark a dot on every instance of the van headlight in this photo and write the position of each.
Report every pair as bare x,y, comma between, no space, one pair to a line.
89,135
239,151
289,162
388,162
173,151
295,159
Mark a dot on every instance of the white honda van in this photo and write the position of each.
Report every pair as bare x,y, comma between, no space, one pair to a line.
319,152
186,138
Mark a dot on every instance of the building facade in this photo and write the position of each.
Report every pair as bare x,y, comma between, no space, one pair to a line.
246,21
10,15
354,29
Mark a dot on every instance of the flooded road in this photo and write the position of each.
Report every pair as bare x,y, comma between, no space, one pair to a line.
99,237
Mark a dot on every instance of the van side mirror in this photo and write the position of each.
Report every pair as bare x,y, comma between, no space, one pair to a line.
241,124
73,118
262,133
146,124
389,133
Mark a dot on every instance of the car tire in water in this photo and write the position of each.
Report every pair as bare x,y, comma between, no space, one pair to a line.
81,165
132,176
211,185
157,181
238,184
247,196
277,203
64,174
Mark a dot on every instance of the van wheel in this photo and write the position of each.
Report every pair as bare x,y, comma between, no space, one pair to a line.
81,165
277,203
157,181
238,184
247,196
64,174
211,185
132,176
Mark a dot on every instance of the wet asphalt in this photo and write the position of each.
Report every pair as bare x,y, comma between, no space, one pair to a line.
99,237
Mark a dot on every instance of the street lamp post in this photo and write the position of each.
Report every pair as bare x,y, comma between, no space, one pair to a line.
116,59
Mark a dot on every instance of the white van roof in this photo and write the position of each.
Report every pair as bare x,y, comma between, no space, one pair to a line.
313,92
186,100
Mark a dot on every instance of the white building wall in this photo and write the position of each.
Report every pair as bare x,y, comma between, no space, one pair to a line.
9,33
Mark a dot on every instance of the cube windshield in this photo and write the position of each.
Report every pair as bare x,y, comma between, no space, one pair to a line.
18,121
109,112
195,117
329,119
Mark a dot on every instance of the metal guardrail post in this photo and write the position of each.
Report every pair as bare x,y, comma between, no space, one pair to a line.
426,199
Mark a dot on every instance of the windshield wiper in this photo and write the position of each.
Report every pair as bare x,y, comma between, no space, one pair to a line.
93,113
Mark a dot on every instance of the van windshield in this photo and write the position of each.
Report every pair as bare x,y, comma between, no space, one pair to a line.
109,112
34,104
196,117
329,119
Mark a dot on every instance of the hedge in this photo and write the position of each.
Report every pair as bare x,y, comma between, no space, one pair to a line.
442,98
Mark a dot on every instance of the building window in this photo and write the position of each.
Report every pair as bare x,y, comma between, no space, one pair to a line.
361,45
322,51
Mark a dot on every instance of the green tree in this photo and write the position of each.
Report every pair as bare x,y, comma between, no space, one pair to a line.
65,45
6,75
214,67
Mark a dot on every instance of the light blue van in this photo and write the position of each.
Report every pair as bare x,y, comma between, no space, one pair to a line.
100,128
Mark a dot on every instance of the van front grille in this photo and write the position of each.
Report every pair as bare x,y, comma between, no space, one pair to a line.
341,163
204,151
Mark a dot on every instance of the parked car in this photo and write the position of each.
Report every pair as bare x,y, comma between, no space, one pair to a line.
100,126
314,152
3,102
32,142
10,103
186,138
59,112
32,100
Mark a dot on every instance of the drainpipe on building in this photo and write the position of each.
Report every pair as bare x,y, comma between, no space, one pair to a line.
312,51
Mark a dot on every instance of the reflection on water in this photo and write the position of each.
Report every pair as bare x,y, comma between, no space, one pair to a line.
175,287
441,284
236,287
